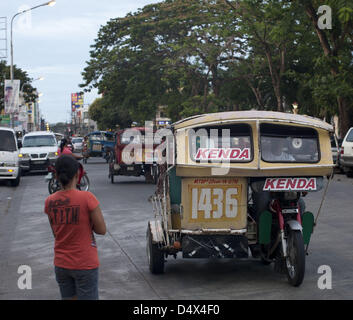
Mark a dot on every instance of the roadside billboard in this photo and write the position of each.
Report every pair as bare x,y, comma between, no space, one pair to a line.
12,96
76,101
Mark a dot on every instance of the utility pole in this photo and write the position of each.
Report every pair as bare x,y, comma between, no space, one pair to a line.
3,38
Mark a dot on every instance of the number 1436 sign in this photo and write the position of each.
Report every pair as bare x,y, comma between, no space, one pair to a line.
212,200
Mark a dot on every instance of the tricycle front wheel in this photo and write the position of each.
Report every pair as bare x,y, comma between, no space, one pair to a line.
295,261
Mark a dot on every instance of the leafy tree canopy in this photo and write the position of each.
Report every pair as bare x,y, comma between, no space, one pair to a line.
199,56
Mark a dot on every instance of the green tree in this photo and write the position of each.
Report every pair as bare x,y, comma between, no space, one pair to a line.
198,56
335,81
270,31
171,53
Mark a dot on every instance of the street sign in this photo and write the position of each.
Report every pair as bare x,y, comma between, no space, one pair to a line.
5,119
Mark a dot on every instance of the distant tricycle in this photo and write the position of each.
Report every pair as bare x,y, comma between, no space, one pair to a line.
131,157
97,144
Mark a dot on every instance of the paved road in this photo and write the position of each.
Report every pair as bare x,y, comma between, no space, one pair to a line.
26,239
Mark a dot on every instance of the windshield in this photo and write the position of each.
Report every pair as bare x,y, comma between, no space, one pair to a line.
7,141
39,141
77,140
350,136
96,137
280,143
109,137
132,139
231,143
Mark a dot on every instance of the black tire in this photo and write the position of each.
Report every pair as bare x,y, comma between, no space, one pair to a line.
155,256
155,171
349,173
16,182
111,172
85,184
295,262
53,186
149,175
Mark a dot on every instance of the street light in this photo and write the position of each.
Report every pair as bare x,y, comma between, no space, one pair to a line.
27,83
50,4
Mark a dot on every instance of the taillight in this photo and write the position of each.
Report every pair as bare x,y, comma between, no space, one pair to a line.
342,150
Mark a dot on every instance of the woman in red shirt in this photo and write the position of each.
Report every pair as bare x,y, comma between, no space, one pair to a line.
74,216
65,149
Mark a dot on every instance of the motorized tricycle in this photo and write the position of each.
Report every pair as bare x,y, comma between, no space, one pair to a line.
97,144
131,156
235,189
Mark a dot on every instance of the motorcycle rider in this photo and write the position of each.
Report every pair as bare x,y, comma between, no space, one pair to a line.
64,149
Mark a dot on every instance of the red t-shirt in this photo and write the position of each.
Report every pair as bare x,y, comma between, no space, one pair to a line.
69,215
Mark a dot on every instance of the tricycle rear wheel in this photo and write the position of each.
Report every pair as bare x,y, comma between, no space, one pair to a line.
154,255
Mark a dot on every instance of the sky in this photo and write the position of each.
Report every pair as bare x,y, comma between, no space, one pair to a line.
54,43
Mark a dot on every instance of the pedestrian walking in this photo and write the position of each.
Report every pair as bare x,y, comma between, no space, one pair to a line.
74,217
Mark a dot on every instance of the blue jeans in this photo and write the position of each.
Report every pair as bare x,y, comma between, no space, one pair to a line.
82,284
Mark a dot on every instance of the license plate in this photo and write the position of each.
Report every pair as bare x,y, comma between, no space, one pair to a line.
130,168
39,162
213,200
214,203
97,147
48,176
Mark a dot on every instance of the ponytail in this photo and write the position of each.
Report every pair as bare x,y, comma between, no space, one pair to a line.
62,144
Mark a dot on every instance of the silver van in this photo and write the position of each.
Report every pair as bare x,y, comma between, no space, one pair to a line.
9,160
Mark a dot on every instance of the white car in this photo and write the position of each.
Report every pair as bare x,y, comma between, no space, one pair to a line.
39,150
346,160
9,162
77,143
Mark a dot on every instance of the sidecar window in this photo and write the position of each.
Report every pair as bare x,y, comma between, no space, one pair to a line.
228,143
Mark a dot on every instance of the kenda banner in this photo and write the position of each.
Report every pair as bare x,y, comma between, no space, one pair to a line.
12,95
